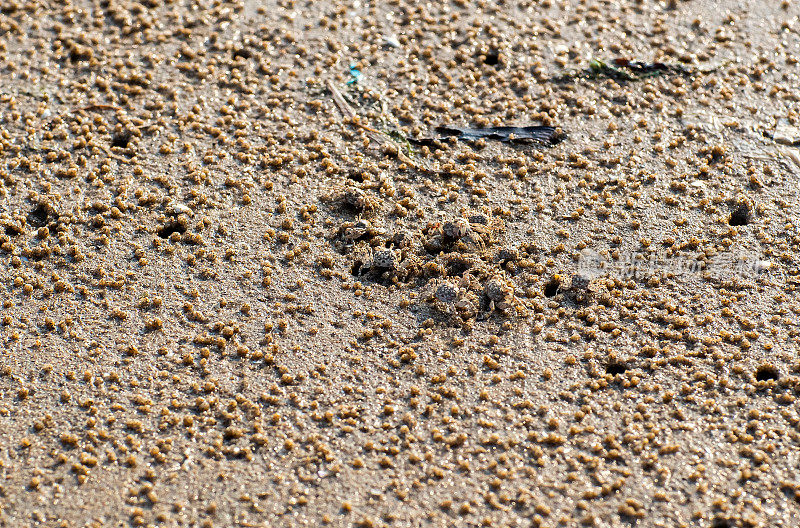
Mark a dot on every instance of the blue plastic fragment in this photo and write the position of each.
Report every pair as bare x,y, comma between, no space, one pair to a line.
355,74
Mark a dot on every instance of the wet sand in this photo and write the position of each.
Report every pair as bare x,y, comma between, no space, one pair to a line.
245,283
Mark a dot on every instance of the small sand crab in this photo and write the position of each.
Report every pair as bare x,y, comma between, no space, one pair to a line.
384,260
455,297
482,231
479,218
358,201
457,264
471,233
349,233
499,294
382,263
578,290
506,254
402,239
455,229
447,293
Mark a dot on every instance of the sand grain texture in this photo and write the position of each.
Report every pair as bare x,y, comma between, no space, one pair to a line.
225,303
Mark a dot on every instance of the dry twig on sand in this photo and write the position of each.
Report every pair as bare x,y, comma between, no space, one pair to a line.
375,135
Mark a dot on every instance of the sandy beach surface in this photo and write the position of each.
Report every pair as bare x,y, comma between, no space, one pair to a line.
257,270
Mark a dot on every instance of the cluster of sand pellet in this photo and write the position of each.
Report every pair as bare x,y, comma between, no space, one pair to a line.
226,302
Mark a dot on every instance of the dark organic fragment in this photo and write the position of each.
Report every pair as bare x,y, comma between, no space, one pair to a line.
631,70
512,134
644,68
622,69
